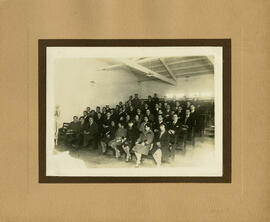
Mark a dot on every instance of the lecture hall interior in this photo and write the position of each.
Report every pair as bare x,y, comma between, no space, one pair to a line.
141,93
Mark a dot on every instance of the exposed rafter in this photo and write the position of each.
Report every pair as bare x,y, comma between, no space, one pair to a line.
193,66
168,68
147,72
120,65
196,72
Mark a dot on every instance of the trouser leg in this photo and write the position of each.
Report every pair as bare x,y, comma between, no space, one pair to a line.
138,157
114,146
103,146
173,151
157,157
127,151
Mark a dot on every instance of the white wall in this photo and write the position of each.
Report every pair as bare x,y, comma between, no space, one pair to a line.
74,90
78,84
202,85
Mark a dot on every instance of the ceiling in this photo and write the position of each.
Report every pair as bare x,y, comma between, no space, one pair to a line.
166,69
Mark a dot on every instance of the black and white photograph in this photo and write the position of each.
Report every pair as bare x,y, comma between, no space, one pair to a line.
134,111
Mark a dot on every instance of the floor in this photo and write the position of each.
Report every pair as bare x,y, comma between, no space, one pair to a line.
200,155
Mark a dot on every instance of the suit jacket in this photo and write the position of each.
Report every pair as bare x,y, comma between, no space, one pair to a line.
75,127
146,137
91,130
164,141
176,127
188,122
132,135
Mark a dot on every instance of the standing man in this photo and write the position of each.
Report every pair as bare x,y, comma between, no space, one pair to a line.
160,150
90,133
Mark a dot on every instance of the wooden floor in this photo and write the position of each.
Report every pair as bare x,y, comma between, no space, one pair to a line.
200,155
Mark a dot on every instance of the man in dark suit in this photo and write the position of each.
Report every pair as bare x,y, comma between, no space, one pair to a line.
136,101
156,125
85,118
90,133
174,131
73,132
188,127
133,134
155,99
160,150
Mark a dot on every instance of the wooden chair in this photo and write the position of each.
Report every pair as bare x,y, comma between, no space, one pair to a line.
62,133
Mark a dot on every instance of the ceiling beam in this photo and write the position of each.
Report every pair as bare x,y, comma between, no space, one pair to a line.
195,73
187,60
148,59
147,72
193,66
168,68
211,59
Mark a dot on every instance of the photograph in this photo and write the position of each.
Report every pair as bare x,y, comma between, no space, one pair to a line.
133,111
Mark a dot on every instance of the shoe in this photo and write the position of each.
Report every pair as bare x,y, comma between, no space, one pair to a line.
137,165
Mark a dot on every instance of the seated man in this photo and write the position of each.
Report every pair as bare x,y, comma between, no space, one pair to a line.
109,134
106,122
174,131
132,136
156,125
143,143
187,127
73,132
90,132
120,136
160,150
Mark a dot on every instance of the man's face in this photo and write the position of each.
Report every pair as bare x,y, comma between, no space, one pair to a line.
145,119
98,109
192,107
175,117
75,119
88,109
108,115
91,120
162,128
148,112
147,128
130,124
85,113
187,112
160,118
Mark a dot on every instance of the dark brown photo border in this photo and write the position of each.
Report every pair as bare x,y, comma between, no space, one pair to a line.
224,43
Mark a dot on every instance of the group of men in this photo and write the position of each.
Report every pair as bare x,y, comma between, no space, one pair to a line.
151,127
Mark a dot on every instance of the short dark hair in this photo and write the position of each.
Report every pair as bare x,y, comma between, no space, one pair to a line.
163,124
147,125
